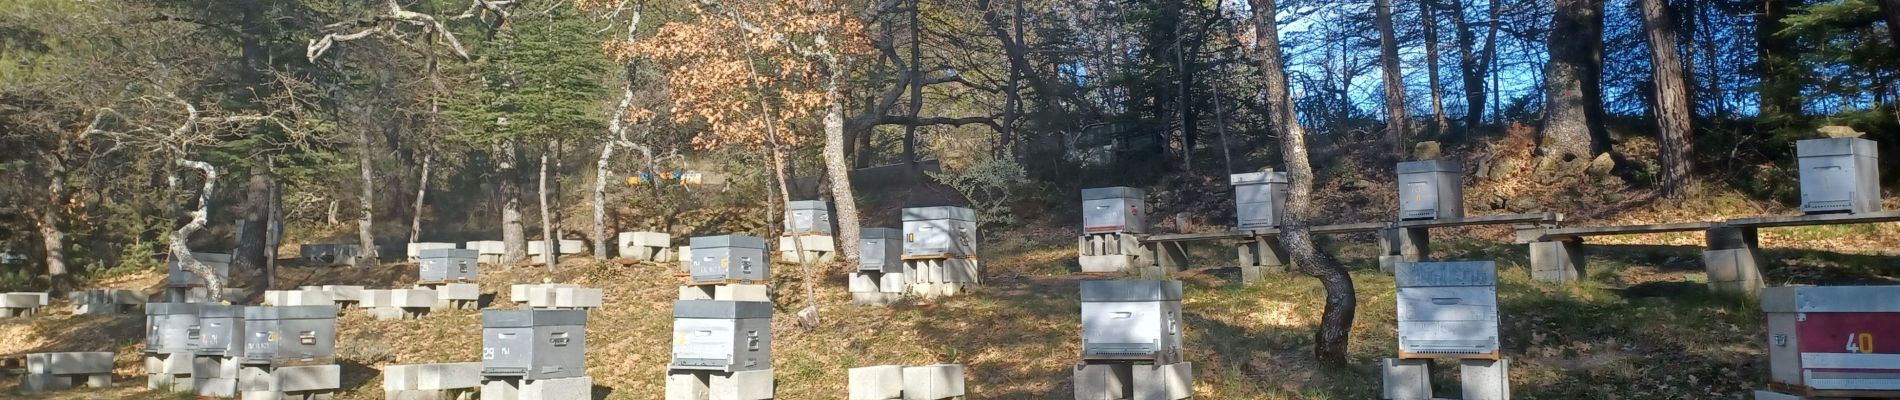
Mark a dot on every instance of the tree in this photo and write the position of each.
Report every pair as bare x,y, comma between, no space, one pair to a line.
1890,12
1672,98
1430,28
1331,339
1397,123
1470,67
1777,64
1572,103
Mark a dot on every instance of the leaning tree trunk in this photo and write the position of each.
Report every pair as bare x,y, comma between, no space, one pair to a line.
1568,119
422,191
1396,120
600,200
842,197
365,222
1672,99
1330,341
514,236
181,253
550,246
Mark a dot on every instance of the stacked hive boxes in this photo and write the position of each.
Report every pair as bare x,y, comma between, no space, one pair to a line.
1131,342
940,250
215,362
1447,310
451,273
170,330
808,228
534,354
722,349
1111,217
289,351
880,277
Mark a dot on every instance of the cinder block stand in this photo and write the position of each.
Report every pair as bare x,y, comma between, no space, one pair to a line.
1110,252
1733,259
309,382
714,385
1479,379
1403,245
60,371
873,288
1133,381
819,249
454,295
1558,261
944,276
1260,256
169,372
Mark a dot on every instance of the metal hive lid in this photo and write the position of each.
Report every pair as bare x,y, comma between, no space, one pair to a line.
939,212
221,311
1788,299
1423,166
532,318
1255,178
171,308
449,253
1834,147
707,242
290,312
880,233
1117,192
721,309
808,205
1104,291
1447,273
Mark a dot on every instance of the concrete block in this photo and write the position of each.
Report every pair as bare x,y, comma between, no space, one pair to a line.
73,363
457,291
203,367
688,385
494,247
1103,381
891,283
544,389
175,383
875,298
1485,379
387,313
449,376
861,282
45,382
1407,379
310,297
1107,263
97,308
588,298
1733,270
215,387
345,293
1388,264
880,382
696,293
685,257
1163,382
741,385
375,298
1558,261
933,382
254,378
1771,395
740,292
400,377
99,380
412,298
415,249
26,300
168,363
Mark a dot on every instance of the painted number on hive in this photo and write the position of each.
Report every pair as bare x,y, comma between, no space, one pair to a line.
1860,342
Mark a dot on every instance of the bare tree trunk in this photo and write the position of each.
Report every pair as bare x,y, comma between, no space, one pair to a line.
1331,339
330,217
1220,126
550,245
916,84
1469,66
252,235
274,230
1778,65
181,252
514,236
617,136
600,198
365,235
1490,65
1672,99
843,199
1568,119
1396,121
422,190
1430,26
52,237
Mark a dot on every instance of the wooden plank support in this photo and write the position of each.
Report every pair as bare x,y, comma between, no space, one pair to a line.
1538,234
1821,219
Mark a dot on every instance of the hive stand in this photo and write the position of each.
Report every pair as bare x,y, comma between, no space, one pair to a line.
537,250
444,381
415,249
1410,241
1133,381
895,382
937,276
105,301
20,304
646,246
312,382
1114,252
487,251
819,249
399,304
1410,379
60,371
876,288
169,372
732,292
454,295
704,385
556,296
